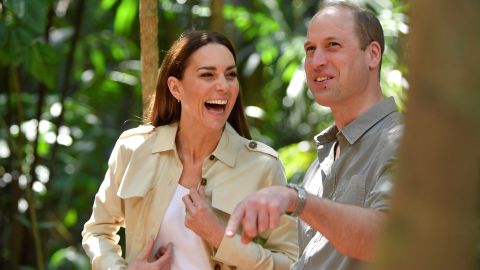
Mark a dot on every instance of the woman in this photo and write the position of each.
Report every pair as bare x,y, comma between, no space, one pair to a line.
173,183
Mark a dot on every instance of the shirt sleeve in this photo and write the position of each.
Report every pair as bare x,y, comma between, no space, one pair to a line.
380,194
100,239
379,197
280,247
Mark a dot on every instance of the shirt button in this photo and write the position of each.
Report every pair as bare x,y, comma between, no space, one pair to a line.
212,157
217,267
252,144
203,182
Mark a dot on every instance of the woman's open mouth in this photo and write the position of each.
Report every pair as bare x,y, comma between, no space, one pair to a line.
216,105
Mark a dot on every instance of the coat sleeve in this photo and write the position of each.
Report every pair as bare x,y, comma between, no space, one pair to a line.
100,239
276,249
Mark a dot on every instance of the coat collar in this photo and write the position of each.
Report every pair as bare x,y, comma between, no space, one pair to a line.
226,149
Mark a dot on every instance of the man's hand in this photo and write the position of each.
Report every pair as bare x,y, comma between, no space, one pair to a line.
261,211
163,258
199,217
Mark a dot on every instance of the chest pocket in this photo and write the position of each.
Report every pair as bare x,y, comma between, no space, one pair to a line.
351,191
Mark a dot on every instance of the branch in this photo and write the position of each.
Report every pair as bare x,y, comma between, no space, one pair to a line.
66,83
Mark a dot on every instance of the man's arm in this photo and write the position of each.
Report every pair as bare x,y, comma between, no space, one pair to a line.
353,230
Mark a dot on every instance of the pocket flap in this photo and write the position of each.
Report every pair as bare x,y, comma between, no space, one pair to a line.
226,198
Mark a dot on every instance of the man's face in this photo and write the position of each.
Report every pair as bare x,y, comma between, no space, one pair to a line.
337,68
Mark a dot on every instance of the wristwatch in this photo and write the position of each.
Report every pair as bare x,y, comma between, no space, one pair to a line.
301,199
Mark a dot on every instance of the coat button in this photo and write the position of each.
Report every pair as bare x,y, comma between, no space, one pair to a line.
217,267
212,157
252,144
203,182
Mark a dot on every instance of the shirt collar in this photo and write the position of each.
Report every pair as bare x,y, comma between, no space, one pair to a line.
225,151
353,131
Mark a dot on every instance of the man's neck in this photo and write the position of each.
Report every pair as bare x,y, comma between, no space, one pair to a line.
350,110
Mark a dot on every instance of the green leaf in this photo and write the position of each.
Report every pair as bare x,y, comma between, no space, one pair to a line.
32,13
41,62
118,52
98,60
295,159
17,45
68,258
107,4
43,147
126,13
57,258
23,220
70,218
269,55
289,71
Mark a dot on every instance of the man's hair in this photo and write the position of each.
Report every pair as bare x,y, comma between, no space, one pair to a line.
367,25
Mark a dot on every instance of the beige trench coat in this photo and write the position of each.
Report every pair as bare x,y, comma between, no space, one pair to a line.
143,172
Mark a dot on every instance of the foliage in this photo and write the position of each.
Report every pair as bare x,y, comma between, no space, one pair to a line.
69,84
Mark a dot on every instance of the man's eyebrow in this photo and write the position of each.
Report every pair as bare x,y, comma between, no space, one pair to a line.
329,38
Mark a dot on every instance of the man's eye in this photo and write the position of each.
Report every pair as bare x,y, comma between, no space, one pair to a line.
310,48
333,44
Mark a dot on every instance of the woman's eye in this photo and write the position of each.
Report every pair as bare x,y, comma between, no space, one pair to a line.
232,75
206,75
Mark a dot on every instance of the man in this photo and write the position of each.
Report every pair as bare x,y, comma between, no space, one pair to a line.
348,187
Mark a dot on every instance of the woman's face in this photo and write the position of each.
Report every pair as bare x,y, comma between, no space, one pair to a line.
208,89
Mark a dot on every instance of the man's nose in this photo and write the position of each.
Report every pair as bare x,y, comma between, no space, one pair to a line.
318,59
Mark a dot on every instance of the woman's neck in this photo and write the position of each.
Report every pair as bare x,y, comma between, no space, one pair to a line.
193,145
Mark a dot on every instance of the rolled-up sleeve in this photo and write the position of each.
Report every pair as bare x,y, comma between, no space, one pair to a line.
100,239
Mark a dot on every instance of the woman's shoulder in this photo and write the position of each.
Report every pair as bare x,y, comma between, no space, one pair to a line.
142,130
133,138
259,147
251,146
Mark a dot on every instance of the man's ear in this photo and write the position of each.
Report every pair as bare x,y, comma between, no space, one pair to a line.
174,87
374,54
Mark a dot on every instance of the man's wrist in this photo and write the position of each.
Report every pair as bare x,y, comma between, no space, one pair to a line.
300,200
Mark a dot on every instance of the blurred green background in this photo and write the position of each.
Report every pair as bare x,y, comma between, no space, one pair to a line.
70,84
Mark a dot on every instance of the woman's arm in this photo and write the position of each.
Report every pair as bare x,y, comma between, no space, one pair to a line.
100,239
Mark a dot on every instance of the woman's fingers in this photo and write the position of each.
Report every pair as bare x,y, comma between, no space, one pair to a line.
143,255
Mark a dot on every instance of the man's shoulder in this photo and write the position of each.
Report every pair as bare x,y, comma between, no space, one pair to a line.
393,126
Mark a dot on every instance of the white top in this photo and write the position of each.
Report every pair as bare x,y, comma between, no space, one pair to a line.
188,249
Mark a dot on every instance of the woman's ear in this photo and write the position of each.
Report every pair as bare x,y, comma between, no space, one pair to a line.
374,55
174,87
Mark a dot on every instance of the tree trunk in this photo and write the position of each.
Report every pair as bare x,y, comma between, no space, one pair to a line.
149,49
436,201
216,20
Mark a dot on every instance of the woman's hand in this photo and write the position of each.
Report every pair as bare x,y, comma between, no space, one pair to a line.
199,217
163,258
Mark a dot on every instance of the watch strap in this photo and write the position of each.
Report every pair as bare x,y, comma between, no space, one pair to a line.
301,199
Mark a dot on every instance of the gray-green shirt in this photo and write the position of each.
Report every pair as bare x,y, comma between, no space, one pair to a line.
362,175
